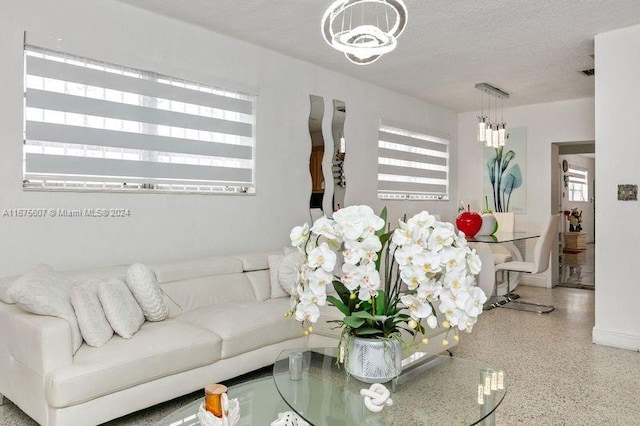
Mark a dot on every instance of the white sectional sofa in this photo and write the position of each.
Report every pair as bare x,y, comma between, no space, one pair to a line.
229,325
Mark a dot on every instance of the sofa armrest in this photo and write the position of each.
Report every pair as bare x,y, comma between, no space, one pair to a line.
40,343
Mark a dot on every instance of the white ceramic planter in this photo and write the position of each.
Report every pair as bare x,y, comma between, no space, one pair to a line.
374,360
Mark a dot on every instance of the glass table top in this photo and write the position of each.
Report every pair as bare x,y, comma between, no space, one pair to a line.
503,237
259,400
445,391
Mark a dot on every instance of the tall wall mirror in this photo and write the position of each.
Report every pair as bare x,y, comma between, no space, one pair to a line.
317,154
339,152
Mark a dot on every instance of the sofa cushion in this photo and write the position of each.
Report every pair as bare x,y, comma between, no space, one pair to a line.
195,268
120,308
144,287
95,329
104,274
158,350
255,261
260,281
246,326
206,291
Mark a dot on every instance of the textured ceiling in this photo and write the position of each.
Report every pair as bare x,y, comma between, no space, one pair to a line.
532,49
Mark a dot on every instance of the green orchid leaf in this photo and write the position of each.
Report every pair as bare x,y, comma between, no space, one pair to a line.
343,292
364,315
353,322
367,331
384,239
383,215
381,306
338,304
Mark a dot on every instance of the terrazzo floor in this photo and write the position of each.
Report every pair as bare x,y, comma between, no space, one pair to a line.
556,375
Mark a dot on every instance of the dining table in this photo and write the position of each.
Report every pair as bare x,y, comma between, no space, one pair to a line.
486,279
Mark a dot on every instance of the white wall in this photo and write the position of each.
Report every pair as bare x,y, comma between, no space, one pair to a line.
617,127
179,226
586,207
546,123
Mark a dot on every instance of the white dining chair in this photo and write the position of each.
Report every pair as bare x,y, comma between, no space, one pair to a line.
541,255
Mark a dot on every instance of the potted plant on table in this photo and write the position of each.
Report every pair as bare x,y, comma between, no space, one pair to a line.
385,282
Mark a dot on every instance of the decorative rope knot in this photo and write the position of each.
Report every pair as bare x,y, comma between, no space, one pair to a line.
376,397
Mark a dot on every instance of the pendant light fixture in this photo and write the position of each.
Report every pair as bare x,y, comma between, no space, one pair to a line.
492,133
364,30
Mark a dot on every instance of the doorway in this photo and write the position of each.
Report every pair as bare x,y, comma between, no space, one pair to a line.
575,200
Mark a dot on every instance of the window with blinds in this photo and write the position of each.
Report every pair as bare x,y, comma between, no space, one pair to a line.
412,166
577,184
95,126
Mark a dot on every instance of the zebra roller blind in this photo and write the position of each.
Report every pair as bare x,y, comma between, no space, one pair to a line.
411,165
91,125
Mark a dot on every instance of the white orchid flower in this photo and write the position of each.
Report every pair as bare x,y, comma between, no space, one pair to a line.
299,235
429,261
413,276
422,220
475,303
351,223
311,297
325,227
473,262
404,255
440,237
403,235
307,312
352,276
319,280
453,257
430,290
322,257
418,309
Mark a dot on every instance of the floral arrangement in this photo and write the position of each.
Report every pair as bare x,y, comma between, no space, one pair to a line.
575,219
386,281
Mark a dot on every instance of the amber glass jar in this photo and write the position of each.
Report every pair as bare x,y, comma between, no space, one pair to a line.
213,399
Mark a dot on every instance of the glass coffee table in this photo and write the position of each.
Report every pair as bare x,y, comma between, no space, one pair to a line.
259,400
439,390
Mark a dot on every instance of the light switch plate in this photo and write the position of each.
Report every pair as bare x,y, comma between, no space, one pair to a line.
628,192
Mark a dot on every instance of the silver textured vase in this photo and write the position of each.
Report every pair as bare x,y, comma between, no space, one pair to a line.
374,360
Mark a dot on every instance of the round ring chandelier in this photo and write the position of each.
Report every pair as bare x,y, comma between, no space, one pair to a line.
364,30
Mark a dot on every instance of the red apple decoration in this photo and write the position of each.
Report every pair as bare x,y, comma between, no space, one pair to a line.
469,223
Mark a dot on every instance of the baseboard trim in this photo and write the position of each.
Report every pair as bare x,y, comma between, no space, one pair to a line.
533,280
616,339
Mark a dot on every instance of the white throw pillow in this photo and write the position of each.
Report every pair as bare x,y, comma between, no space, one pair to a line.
120,307
289,271
94,326
45,292
144,287
275,260
5,285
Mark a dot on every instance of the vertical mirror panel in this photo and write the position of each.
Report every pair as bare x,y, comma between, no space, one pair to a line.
339,151
317,154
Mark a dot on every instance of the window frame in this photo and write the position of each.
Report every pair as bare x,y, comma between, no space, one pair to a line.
577,183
